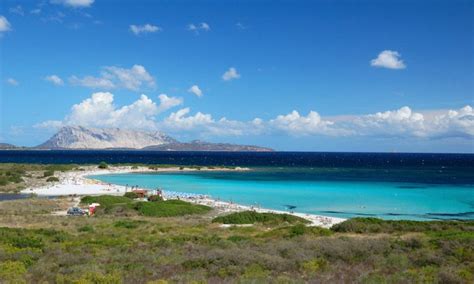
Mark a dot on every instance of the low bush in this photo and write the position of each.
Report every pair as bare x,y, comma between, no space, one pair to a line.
169,208
128,224
52,179
375,225
252,217
103,165
131,195
155,198
48,173
295,231
86,228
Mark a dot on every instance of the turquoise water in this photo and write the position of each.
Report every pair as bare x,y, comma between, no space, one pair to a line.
312,194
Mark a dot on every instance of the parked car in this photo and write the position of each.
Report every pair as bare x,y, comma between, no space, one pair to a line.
75,211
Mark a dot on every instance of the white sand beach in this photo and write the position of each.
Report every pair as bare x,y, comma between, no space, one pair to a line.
77,183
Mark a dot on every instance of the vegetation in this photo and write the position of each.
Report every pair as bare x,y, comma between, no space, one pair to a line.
375,225
169,208
48,173
103,165
252,217
52,179
36,247
155,198
120,205
15,177
131,195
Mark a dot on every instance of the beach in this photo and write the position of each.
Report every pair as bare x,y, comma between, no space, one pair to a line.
81,183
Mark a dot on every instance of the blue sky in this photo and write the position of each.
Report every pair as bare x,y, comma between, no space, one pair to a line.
301,75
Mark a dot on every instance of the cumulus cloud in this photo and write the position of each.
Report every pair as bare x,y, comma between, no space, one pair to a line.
92,82
74,3
230,74
404,122
55,79
194,89
388,59
202,124
144,29
168,102
199,27
100,111
116,77
296,124
4,25
12,82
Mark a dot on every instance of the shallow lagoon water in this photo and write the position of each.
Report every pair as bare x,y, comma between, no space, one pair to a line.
317,192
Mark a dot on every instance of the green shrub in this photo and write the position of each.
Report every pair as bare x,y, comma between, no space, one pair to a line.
48,173
252,217
295,231
374,225
103,165
314,265
131,195
86,228
12,271
52,179
169,208
128,224
155,198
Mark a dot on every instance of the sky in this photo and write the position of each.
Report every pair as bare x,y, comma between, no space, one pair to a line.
361,76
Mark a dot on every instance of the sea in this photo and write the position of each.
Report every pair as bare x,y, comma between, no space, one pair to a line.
384,185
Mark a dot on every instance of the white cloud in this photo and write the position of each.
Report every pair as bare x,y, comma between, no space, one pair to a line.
205,26
388,59
168,102
296,124
92,82
116,77
74,3
12,82
401,122
144,29
99,111
4,24
55,79
195,90
404,122
17,10
199,27
230,74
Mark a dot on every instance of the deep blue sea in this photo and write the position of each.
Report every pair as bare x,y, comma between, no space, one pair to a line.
385,185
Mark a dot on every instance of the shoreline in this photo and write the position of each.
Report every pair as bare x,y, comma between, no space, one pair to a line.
80,183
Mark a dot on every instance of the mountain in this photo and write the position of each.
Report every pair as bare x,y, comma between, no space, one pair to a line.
197,145
6,146
78,137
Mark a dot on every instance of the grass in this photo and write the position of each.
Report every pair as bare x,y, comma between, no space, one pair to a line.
40,248
252,217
